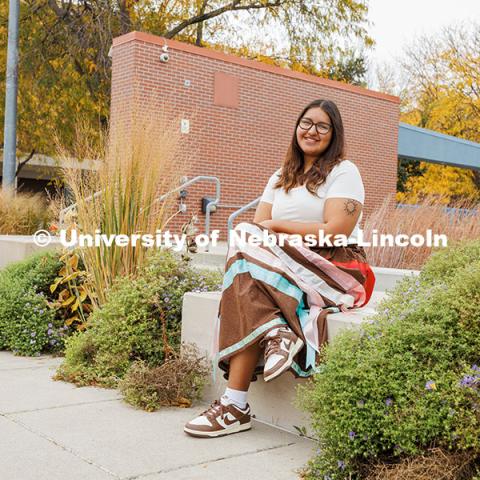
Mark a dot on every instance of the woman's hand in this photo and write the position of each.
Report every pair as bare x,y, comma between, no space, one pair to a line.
276,226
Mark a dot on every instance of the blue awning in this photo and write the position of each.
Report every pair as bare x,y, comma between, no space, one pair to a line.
421,144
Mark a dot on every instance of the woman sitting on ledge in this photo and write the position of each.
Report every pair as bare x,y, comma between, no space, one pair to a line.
275,298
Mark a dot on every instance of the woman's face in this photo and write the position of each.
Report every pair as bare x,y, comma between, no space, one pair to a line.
314,143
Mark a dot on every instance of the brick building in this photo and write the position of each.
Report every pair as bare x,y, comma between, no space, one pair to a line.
241,117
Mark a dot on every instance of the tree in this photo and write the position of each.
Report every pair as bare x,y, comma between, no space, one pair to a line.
449,184
408,169
52,92
441,92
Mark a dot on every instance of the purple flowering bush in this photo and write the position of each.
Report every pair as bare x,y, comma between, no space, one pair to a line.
140,321
28,325
408,380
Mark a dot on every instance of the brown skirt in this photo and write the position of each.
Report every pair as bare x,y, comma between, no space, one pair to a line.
265,287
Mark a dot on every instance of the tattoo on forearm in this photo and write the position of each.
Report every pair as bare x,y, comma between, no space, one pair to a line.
350,206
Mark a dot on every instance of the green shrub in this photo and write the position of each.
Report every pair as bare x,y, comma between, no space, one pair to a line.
28,326
141,320
445,261
408,380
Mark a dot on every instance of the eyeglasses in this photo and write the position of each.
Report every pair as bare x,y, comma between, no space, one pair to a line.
320,127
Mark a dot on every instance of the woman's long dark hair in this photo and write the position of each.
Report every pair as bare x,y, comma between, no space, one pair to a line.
292,170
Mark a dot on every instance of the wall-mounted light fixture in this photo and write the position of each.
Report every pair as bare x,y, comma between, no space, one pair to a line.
182,195
205,202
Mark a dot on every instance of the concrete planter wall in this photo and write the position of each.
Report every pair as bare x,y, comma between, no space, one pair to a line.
14,248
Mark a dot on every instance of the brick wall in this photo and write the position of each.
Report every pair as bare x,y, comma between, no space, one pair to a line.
242,114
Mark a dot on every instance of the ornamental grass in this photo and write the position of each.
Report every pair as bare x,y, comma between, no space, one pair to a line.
139,162
23,213
460,223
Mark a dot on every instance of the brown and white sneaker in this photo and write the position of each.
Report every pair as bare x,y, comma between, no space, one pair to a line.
281,346
218,420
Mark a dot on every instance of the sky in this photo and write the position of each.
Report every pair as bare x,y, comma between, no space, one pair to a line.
397,22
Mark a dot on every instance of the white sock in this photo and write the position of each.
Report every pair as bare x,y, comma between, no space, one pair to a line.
237,397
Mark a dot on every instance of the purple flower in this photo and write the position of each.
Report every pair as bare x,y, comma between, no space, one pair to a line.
41,311
475,367
49,331
33,334
389,402
351,435
360,403
341,464
430,385
50,325
467,381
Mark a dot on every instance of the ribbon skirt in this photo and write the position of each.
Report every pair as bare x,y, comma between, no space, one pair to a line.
267,286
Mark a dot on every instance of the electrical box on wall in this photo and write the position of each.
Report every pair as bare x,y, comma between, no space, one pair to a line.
185,125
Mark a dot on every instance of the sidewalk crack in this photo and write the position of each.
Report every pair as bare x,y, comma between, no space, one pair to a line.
66,449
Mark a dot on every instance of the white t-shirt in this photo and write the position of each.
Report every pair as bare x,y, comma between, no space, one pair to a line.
299,205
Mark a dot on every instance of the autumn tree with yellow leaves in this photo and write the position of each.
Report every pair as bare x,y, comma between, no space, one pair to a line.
442,93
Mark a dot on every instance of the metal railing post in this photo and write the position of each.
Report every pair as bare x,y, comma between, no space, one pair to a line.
238,212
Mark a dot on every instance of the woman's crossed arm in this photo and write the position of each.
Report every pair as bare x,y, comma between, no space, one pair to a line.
340,217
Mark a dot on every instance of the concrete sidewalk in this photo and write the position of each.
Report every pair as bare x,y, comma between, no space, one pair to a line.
54,430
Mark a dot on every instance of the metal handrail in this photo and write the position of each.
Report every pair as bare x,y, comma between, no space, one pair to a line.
64,211
209,206
196,179
238,212
449,210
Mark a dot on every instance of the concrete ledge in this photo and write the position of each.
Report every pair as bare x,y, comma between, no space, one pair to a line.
14,248
386,278
271,402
